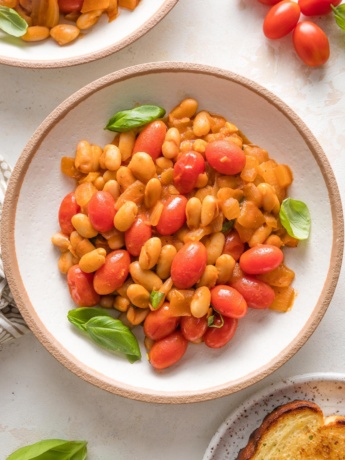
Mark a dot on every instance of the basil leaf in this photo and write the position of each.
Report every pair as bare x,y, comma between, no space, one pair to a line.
227,225
52,449
80,316
134,118
295,218
113,335
156,298
210,321
339,15
11,22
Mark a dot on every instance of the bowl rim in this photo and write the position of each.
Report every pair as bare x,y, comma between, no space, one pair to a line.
79,60
63,355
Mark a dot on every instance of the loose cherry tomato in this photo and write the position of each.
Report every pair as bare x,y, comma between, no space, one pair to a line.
101,211
69,6
317,7
188,265
262,258
139,232
186,171
269,2
160,323
173,215
225,157
193,328
80,285
281,19
311,43
228,301
256,293
113,272
168,351
151,139
68,208
217,337
233,244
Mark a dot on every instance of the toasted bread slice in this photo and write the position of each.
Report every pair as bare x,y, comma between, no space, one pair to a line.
297,430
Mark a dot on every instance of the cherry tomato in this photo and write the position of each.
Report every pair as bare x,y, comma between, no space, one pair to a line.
311,43
139,232
160,323
113,272
69,6
233,244
80,285
225,157
317,7
256,293
173,215
269,2
101,211
217,337
188,265
228,301
168,351
68,208
262,258
281,19
186,171
151,139
193,328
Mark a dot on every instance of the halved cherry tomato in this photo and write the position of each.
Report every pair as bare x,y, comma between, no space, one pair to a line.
261,258
217,337
160,323
256,293
151,139
193,328
188,265
68,208
80,285
225,157
228,301
281,19
173,215
317,7
233,244
69,6
139,232
168,351
186,171
101,211
311,43
113,272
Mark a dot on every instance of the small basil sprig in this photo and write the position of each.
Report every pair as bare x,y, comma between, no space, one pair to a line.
156,298
11,22
57,449
295,218
134,118
106,331
339,15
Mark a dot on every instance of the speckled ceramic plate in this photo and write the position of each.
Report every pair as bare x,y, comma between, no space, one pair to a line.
325,389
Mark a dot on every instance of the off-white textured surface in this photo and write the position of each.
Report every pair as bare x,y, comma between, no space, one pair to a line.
40,398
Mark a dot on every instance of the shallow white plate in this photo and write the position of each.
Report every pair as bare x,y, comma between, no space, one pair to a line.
103,39
325,389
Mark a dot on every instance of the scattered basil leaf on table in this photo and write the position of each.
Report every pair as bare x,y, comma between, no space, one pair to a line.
339,15
295,218
11,22
134,118
52,449
80,316
156,298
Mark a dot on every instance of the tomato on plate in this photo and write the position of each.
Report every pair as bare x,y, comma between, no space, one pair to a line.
168,351
68,208
69,6
136,236
193,328
225,157
151,139
160,323
228,301
217,337
261,258
256,293
188,265
311,44
101,211
281,19
317,7
80,285
233,244
186,171
173,215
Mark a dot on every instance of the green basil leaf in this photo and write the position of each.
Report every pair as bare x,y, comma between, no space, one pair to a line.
156,298
11,22
80,316
295,218
210,321
52,449
134,118
113,335
339,15
227,225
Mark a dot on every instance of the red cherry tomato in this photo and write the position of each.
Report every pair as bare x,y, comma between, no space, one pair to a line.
68,208
160,323
193,328
225,157
256,293
113,272
173,215
228,301
139,232
262,258
151,139
217,337
311,43
101,211
188,265
69,6
80,285
269,2
168,351
186,171
233,244
317,7
281,19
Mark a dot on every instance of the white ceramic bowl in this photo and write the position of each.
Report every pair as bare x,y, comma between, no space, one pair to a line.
104,39
264,340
